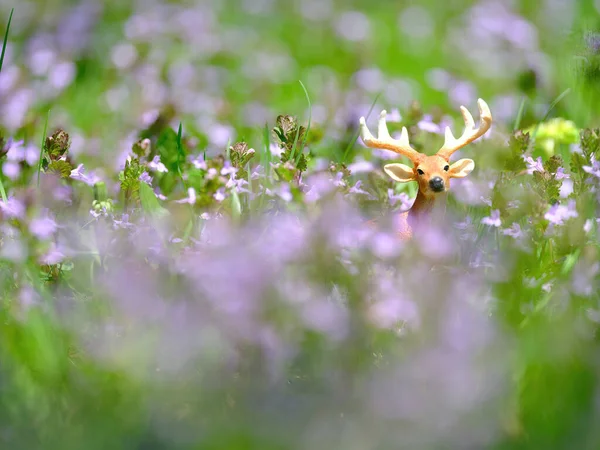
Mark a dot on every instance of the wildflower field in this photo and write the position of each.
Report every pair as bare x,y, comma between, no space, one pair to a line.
187,252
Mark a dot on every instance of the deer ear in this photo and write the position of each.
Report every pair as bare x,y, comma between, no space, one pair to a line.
461,168
399,172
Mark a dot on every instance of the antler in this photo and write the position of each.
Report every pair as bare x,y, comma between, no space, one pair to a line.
385,141
451,144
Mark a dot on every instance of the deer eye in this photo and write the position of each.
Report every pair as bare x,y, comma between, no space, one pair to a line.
446,167
420,172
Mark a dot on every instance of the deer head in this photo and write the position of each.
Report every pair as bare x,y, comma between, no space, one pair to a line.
433,173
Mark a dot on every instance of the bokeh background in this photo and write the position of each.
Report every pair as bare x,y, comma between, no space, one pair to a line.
260,312
225,68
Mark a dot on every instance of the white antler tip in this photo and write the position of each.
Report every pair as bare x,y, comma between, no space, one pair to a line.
483,106
362,121
382,114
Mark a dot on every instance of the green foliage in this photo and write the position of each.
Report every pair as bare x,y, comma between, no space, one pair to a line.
57,145
75,381
141,149
590,142
517,146
168,150
130,179
546,184
240,155
60,167
150,203
289,135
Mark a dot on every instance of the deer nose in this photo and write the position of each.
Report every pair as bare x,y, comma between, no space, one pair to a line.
436,184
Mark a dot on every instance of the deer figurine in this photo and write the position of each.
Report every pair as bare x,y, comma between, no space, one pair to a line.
433,173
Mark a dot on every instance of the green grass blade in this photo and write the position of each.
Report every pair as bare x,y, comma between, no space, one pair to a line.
309,121
180,152
266,156
354,139
4,42
520,113
42,148
6,38
293,153
236,206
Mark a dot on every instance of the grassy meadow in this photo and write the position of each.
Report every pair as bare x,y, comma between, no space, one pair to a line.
185,258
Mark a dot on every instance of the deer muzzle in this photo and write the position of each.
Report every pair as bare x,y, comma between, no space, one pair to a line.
436,184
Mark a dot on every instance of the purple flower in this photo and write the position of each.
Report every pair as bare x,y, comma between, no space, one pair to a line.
575,148
42,227
514,231
283,191
391,306
18,153
28,297
219,195
594,169
434,242
560,174
199,163
384,154
566,188
361,166
275,149
14,149
190,199
155,164
53,255
357,190
320,185
11,169
582,281
394,115
493,220
212,173
146,178
13,250
123,222
385,245
237,184
338,180
228,169
557,214
402,197
427,124
79,174
534,166
13,208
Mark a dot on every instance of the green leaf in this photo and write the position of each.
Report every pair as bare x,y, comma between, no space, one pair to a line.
168,149
61,168
130,179
236,206
57,145
570,261
150,203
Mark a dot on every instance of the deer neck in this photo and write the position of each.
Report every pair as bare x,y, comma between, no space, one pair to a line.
425,207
